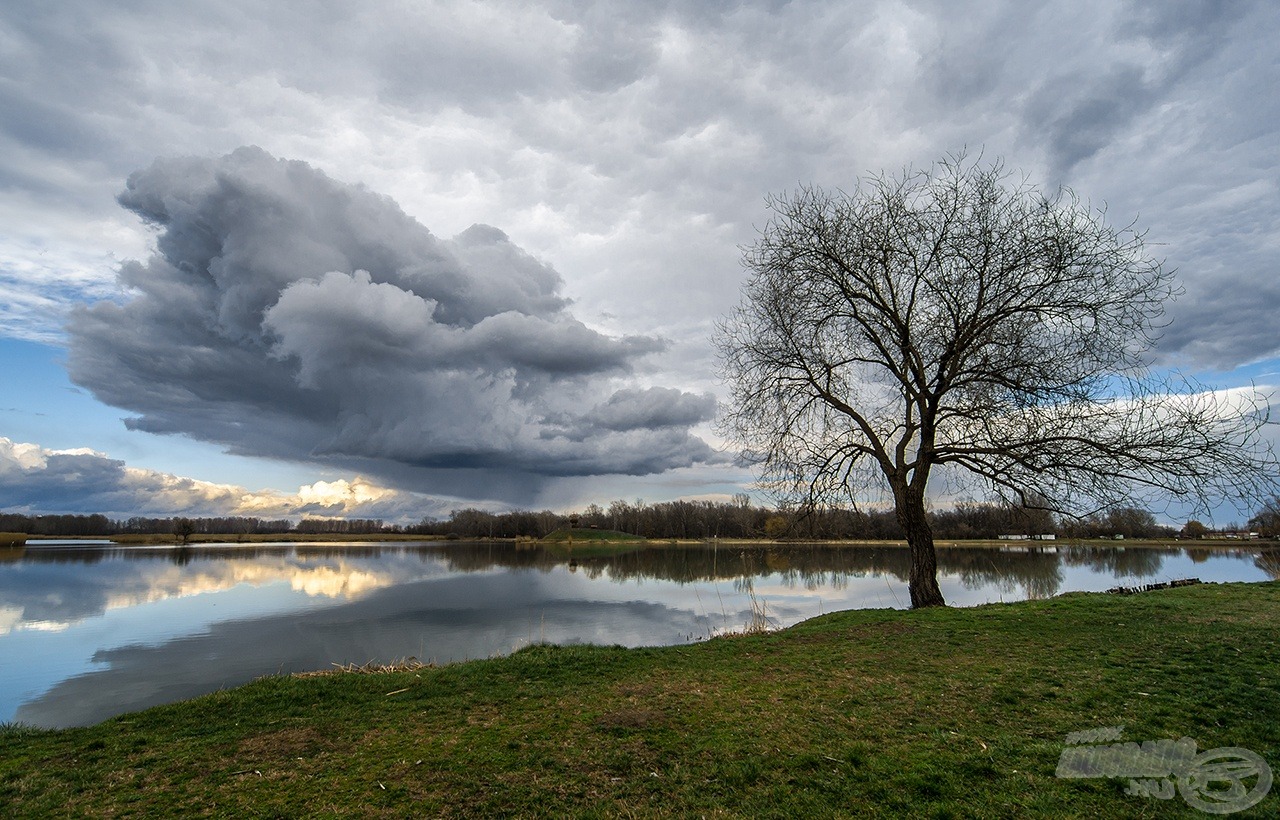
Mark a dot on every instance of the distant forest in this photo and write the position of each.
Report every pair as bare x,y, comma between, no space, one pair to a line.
668,519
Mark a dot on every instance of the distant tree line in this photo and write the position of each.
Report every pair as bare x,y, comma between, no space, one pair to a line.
70,525
738,518
666,519
58,524
206,526
349,526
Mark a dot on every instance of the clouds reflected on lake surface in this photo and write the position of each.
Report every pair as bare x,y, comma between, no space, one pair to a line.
88,633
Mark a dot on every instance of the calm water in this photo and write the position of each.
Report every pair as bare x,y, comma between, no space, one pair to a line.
87,633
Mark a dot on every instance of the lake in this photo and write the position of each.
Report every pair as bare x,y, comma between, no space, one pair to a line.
88,632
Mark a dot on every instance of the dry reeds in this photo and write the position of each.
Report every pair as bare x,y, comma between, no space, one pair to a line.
369,668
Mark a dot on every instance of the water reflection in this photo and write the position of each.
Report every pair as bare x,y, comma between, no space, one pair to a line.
1269,562
53,595
88,633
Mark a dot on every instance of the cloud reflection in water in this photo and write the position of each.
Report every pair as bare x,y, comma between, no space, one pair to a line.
139,627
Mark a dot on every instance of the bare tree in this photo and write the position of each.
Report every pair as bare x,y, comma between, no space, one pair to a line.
183,528
956,321
1267,519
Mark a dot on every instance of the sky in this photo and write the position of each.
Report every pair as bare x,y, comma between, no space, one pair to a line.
390,259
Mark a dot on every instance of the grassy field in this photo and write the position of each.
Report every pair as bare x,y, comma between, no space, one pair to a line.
589,535
936,713
589,543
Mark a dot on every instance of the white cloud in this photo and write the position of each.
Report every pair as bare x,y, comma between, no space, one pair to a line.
128,584
37,480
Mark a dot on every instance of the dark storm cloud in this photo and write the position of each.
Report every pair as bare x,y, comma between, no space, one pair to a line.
654,408
342,319
290,315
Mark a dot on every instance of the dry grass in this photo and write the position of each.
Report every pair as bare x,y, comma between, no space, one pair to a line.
368,668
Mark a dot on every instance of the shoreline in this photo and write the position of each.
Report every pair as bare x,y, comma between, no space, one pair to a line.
223,539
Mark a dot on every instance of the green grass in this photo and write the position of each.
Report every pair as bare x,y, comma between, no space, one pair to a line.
878,713
588,535
590,543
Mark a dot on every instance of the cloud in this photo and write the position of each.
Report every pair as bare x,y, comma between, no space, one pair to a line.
651,409
1151,110
1084,109
436,618
51,598
288,315
35,480
631,144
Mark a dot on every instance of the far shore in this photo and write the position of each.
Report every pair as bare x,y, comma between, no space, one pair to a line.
162,539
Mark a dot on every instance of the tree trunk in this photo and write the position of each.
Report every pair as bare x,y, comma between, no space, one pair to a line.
923,582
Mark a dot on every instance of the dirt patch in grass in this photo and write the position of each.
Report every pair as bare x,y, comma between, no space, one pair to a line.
630,718
285,744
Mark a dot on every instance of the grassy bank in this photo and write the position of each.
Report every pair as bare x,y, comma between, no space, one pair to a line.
564,536
589,543
938,713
